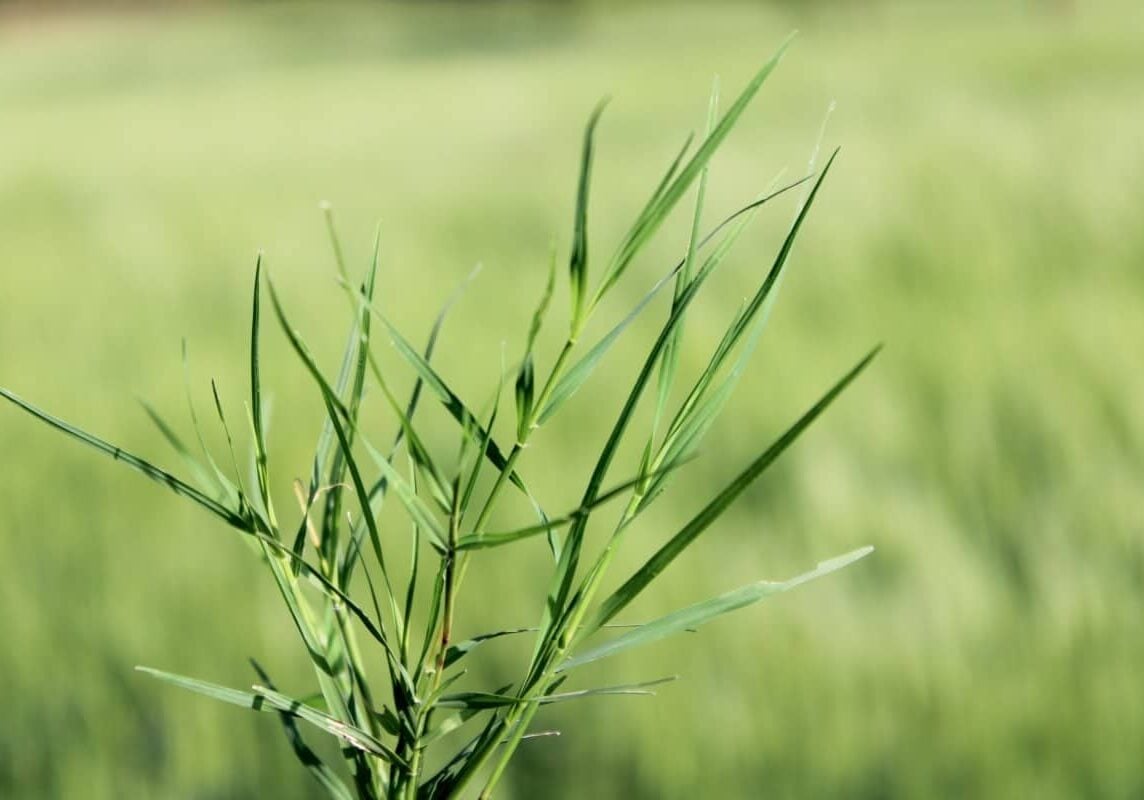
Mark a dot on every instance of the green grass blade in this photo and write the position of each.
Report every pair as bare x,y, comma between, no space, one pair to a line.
648,222
201,474
326,777
231,517
758,309
698,524
695,615
578,261
459,650
480,541
670,359
342,730
672,170
479,701
336,412
575,377
226,486
453,404
323,584
331,519
256,410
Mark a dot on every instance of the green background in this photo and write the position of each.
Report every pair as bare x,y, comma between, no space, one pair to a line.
983,220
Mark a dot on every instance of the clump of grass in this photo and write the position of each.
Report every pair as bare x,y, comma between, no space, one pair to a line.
390,728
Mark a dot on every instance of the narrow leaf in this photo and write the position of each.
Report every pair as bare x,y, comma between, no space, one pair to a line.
700,613
691,531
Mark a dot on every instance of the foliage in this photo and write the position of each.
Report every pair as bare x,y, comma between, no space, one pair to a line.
390,730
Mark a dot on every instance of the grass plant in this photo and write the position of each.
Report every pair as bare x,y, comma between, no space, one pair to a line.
412,732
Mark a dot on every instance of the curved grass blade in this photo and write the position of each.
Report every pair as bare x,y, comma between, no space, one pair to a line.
695,615
349,733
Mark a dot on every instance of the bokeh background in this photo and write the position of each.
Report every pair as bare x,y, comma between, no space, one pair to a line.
983,220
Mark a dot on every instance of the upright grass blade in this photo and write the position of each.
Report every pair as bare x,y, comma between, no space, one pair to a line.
576,376
713,510
526,380
566,569
578,262
671,352
648,222
337,414
693,616
256,411
453,404
357,350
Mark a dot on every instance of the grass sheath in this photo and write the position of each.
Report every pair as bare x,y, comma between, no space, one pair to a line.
390,729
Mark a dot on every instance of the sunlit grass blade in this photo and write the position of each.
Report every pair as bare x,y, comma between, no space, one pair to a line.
323,584
700,613
231,517
378,489
713,510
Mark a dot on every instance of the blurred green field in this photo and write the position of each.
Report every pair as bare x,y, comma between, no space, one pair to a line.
983,221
